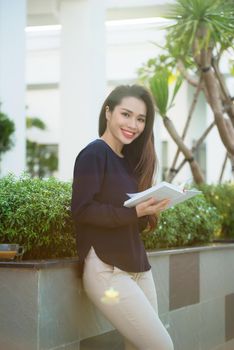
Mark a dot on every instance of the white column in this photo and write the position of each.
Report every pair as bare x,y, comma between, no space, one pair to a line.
83,80
12,79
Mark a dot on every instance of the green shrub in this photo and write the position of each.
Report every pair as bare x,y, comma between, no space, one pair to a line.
7,128
222,197
190,223
36,214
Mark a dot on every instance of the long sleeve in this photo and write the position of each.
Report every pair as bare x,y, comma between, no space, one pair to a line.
89,173
101,182
143,222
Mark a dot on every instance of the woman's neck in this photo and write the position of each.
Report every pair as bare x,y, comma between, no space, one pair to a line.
115,148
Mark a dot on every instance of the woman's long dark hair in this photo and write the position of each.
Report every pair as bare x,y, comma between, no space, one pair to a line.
141,152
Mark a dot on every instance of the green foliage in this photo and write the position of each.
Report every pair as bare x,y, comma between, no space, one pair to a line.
35,122
159,86
36,214
231,67
42,160
154,65
222,197
160,91
211,20
193,222
7,128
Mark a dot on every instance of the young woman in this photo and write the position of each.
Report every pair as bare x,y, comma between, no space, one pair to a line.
111,253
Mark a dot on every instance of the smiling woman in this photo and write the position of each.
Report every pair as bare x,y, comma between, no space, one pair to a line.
125,123
110,250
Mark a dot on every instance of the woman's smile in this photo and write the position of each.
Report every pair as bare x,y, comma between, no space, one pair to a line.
128,134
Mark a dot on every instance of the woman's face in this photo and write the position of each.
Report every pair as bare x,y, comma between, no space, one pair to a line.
127,121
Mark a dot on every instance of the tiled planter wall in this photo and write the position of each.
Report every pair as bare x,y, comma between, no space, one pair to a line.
43,306
196,296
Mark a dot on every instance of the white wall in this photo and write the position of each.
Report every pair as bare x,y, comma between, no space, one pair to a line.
44,104
12,79
43,75
43,57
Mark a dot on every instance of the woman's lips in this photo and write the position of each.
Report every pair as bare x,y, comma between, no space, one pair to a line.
128,134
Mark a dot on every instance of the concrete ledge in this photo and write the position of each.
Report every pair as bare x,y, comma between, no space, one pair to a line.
43,305
41,264
199,248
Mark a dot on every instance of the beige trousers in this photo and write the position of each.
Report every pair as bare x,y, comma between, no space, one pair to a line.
128,301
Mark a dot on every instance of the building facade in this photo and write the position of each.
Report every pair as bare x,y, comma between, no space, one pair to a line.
73,53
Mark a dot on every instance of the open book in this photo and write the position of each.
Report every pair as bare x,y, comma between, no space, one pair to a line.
163,190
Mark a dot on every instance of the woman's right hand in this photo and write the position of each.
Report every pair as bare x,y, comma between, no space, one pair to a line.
151,207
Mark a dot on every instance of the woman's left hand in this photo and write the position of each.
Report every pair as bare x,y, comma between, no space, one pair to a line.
151,207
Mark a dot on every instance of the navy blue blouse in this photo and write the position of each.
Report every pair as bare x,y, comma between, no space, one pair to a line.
101,182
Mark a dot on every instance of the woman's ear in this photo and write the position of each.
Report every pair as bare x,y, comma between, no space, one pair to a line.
107,113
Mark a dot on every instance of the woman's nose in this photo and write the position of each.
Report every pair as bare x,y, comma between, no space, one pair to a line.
132,123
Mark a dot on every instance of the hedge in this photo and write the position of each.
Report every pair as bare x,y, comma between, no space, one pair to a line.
193,222
36,214
222,198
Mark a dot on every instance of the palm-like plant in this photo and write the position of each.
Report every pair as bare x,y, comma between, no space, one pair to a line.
203,30
200,33
211,22
159,85
160,90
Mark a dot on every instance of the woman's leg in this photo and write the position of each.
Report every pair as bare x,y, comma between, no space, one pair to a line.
133,315
146,282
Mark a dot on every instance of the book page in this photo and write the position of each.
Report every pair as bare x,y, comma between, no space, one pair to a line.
159,192
187,194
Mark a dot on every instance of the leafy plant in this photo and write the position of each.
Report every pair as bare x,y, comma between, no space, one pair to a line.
193,222
160,91
42,160
222,197
36,214
159,85
201,33
210,21
7,128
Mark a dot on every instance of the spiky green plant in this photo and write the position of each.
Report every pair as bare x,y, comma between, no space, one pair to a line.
159,85
210,20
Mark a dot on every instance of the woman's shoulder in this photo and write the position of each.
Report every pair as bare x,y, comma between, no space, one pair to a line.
96,148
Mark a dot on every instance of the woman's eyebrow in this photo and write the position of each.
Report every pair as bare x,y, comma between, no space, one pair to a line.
129,111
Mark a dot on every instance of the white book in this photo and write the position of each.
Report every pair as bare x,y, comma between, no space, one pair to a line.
161,191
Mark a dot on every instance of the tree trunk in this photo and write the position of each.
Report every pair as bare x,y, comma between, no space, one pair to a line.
223,167
171,172
215,100
195,168
226,98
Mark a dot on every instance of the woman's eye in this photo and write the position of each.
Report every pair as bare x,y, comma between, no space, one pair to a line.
141,120
125,114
